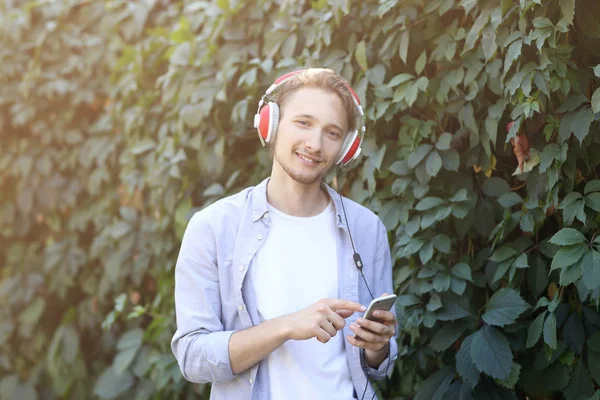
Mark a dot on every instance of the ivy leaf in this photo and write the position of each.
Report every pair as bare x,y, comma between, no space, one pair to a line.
495,187
462,271
550,331
404,42
510,199
573,333
420,64
581,385
491,353
504,308
464,363
361,56
111,384
535,330
447,335
591,270
596,101
503,253
567,256
418,155
434,163
567,237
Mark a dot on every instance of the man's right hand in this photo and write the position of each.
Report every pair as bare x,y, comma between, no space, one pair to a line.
321,320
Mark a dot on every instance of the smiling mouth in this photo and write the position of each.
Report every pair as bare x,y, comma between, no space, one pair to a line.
308,159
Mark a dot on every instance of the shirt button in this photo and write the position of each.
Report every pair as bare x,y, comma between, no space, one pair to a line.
266,215
259,236
241,268
251,381
241,307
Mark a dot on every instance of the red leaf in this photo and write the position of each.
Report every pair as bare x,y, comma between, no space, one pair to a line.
521,148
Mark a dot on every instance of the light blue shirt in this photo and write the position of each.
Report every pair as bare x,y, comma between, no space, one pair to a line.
214,293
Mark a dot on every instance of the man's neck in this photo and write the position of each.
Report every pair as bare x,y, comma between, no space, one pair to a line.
293,198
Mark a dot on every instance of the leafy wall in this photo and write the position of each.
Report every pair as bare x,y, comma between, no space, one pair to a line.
119,119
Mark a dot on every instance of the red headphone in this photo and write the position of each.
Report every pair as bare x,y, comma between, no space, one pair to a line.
266,121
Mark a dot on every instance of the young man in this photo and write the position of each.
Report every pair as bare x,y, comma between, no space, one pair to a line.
268,295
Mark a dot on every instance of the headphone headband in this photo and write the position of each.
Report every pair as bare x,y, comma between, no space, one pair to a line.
266,120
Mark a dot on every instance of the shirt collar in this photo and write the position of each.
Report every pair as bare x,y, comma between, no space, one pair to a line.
260,207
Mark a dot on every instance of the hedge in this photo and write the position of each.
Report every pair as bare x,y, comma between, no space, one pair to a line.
120,119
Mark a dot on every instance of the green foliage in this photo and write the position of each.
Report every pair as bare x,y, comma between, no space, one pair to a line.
120,119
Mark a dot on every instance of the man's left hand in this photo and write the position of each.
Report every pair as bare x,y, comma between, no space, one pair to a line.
374,336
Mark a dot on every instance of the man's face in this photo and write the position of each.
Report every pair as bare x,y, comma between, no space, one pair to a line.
310,134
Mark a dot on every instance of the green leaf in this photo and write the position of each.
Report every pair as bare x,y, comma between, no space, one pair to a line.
441,243
550,331
592,186
464,363
594,364
421,61
597,70
581,385
447,335
574,333
428,203
361,56
491,353
434,163
504,308
567,256
404,42
590,266
418,155
596,101
537,275
495,187
462,271
570,273
568,10
436,385
567,237
592,200
515,372
510,199
111,384
535,330
408,300
444,141
503,253
400,79
124,359
593,342
131,339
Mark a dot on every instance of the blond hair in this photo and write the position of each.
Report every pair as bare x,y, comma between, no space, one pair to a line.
320,78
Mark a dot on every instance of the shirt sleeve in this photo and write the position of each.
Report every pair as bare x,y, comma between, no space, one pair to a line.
200,344
383,283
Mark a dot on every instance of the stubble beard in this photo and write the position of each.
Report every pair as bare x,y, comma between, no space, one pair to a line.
305,179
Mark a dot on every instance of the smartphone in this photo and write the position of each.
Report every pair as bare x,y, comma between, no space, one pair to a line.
384,303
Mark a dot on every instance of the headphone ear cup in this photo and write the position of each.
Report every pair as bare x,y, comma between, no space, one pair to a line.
349,148
273,121
268,121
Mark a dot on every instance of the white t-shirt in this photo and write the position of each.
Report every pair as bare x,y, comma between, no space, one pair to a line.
294,268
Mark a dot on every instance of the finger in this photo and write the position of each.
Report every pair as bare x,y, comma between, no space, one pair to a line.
384,294
340,304
363,344
367,335
328,327
344,313
322,336
386,317
373,326
337,320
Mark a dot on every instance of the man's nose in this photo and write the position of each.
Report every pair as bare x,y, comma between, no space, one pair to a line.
313,141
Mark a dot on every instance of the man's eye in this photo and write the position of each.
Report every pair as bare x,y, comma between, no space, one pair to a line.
303,122
333,133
